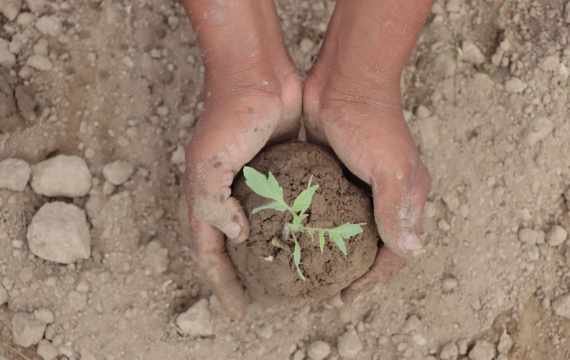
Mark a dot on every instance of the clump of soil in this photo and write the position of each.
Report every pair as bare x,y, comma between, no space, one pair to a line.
268,269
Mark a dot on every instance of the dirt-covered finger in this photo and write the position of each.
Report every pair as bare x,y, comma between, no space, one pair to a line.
385,268
208,246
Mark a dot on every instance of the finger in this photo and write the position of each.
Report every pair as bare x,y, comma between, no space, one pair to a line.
386,266
420,193
208,246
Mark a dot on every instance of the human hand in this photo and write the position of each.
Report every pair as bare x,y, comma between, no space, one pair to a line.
253,97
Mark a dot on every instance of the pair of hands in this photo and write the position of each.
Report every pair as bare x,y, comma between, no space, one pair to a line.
349,102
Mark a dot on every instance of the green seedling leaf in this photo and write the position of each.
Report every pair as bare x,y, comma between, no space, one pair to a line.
274,205
262,186
322,240
337,239
297,220
303,201
348,230
312,233
297,259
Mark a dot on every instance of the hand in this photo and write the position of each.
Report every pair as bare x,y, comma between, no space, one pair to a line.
351,103
253,96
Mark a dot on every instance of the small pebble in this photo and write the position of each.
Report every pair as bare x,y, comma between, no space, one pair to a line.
14,174
298,355
196,320
556,236
349,344
412,324
44,315
59,232
49,25
505,343
76,300
471,53
515,85
318,350
39,62
448,285
306,45
10,8
449,352
529,236
482,350
157,257
26,330
62,175
7,58
46,350
118,172
162,111
422,112
561,306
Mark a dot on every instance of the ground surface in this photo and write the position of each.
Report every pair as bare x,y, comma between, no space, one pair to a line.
125,83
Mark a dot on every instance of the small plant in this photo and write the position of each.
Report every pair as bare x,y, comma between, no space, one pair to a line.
270,189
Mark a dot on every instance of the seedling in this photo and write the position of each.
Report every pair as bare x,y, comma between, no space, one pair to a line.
270,189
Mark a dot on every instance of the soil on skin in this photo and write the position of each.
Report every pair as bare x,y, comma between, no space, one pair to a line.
266,268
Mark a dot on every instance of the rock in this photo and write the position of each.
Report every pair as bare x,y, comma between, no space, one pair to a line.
556,236
482,350
76,300
49,25
156,257
567,12
448,285
62,176
318,350
59,232
428,132
178,156
505,343
515,85
444,64
39,62
561,306
7,59
36,5
412,324
529,236
471,53
10,8
298,355
14,174
453,6
537,130
549,63
187,120
27,331
306,45
449,352
349,344
3,295
162,111
46,350
41,47
44,315
422,112
196,320
118,172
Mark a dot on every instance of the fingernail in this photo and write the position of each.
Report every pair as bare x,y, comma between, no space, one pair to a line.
411,242
232,230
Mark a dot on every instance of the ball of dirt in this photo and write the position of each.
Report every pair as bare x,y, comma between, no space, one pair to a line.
265,265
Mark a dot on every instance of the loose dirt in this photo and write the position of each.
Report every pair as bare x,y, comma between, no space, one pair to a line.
268,269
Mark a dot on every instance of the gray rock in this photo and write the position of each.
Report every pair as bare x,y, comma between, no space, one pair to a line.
156,257
349,344
59,232
556,236
14,174
412,324
515,85
448,285
449,352
62,176
39,62
529,236
306,45
27,331
482,350
505,343
196,320
36,5
561,306
471,53
49,25
118,172
318,350
538,129
46,350
7,59
549,63
10,8
45,316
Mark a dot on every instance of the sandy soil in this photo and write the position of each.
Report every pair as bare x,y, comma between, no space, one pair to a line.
486,97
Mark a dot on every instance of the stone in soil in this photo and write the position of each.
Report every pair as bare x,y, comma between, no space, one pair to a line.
7,59
482,350
505,343
556,236
49,25
196,320
27,331
14,174
156,257
349,344
118,172
561,306
449,352
336,202
39,62
10,8
44,315
471,53
62,176
318,350
58,232
46,350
